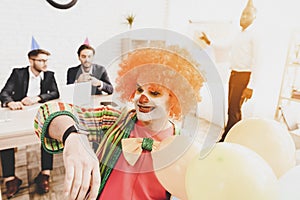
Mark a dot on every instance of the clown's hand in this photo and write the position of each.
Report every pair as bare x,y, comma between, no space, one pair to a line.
82,168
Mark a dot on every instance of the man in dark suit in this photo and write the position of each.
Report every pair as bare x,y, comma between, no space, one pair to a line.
87,71
27,86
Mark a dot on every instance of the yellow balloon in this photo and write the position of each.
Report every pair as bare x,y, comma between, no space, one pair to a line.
170,169
231,172
269,139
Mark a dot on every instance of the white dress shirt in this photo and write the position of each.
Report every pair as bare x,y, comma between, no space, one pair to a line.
244,50
34,84
89,72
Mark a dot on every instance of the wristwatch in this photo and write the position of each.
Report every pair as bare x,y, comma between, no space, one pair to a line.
73,129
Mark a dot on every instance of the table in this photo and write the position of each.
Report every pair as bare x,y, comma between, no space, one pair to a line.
17,130
16,126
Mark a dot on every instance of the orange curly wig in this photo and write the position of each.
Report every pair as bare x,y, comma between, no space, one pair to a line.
165,67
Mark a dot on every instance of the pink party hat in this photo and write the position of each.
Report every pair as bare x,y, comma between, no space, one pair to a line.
86,41
34,44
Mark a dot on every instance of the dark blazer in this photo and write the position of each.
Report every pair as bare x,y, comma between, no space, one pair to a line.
16,87
98,72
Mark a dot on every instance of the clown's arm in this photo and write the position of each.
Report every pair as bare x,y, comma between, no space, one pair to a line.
81,164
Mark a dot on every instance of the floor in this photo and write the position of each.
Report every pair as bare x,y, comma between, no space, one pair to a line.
28,167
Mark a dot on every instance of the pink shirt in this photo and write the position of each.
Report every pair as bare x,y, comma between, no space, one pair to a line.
139,181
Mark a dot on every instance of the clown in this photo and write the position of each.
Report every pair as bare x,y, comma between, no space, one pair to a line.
163,85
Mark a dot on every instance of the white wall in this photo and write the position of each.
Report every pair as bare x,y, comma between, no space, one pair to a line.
62,31
275,20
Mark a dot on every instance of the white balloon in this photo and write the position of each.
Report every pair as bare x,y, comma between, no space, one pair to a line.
290,184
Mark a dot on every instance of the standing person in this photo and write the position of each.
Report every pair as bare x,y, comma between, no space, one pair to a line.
27,86
87,71
163,86
242,62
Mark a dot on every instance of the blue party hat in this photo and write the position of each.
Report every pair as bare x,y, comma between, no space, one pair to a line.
34,44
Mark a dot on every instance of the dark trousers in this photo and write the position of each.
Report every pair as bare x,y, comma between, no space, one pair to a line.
238,81
8,161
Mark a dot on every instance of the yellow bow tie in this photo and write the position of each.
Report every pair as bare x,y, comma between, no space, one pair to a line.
133,147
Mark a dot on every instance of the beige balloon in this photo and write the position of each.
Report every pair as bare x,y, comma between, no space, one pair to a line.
231,172
171,161
269,139
289,184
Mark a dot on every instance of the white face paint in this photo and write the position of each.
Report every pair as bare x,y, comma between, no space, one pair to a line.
151,102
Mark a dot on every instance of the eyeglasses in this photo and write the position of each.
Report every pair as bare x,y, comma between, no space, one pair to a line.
39,60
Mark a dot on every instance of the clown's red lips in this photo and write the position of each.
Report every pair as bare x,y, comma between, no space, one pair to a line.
145,109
